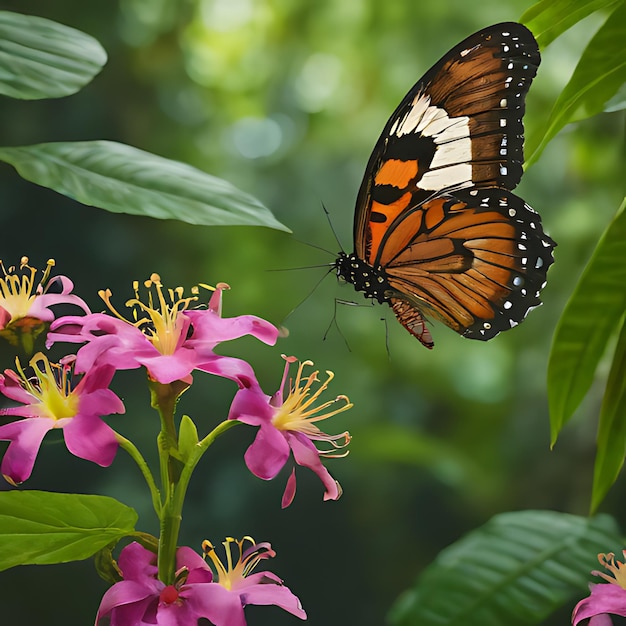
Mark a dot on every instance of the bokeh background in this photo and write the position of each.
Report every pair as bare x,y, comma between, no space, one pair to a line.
285,99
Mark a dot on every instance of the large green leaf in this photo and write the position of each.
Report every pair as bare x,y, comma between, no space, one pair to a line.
548,19
123,179
37,527
598,76
612,427
591,316
515,570
42,59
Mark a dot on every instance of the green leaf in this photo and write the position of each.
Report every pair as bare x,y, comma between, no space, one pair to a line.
516,569
42,59
187,437
550,18
612,427
123,179
591,316
37,527
598,76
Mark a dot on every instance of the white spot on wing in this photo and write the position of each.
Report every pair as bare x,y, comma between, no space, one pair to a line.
454,175
452,153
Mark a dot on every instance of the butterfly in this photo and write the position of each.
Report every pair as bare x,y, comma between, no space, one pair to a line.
438,232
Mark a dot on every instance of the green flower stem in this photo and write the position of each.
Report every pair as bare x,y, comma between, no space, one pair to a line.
172,511
168,539
134,453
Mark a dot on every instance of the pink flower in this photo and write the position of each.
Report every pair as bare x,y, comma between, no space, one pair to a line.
168,339
25,303
604,599
288,427
50,400
141,598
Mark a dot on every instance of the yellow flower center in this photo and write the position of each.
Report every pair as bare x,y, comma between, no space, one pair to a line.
160,318
52,386
298,412
229,574
18,290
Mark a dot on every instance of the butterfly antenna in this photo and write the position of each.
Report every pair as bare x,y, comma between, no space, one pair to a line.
312,245
303,267
317,284
332,228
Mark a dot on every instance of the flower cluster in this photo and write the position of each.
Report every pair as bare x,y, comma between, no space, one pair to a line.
172,336
196,592
25,302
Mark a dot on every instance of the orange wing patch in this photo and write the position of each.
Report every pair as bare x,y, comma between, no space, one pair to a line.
397,173
380,217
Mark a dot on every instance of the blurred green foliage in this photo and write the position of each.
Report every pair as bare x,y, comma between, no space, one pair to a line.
285,99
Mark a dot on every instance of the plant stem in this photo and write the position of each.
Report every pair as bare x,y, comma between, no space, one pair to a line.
134,453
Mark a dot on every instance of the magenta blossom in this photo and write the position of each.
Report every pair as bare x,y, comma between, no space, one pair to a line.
141,598
50,399
604,600
168,339
288,427
25,302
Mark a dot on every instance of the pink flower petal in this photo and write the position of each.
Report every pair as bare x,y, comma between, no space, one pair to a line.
210,328
124,593
11,387
138,563
273,594
89,438
25,437
199,570
101,402
604,598
229,367
268,453
217,604
251,406
290,490
307,455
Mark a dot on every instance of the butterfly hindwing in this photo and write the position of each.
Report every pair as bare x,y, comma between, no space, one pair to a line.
476,260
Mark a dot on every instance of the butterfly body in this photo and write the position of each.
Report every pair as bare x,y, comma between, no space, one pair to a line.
437,230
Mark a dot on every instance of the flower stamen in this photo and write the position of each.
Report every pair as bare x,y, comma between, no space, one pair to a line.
160,318
298,413
232,573
51,385
617,569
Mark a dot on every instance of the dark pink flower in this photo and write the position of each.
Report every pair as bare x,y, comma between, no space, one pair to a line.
605,599
25,302
141,598
50,399
168,339
289,427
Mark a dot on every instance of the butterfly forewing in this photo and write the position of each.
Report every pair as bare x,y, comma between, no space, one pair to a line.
459,126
